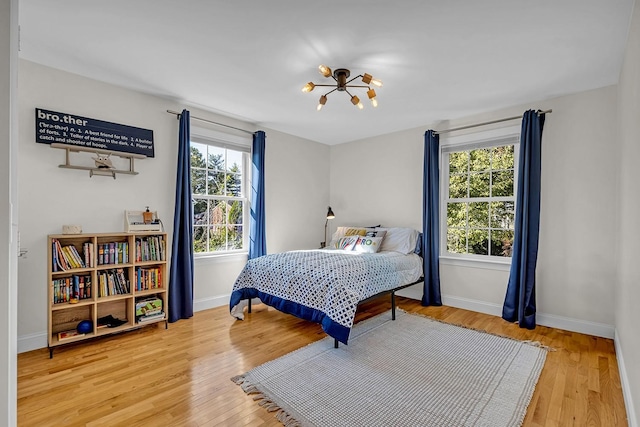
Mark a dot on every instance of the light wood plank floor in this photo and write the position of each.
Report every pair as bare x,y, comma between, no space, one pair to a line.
181,376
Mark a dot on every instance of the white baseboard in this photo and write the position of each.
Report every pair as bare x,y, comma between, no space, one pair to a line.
551,320
213,302
32,342
542,319
473,305
626,389
576,325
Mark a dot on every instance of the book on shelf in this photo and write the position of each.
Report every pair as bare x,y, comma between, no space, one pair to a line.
65,335
87,250
61,262
151,317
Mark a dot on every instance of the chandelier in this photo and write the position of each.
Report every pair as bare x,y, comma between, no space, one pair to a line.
340,75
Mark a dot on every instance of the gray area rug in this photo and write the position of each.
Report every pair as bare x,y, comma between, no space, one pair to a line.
413,371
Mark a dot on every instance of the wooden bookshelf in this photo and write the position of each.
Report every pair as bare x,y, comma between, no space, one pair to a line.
103,276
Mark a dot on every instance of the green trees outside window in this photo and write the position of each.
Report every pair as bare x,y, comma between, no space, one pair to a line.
480,204
218,198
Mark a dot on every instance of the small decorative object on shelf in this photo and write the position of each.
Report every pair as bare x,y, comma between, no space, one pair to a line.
142,221
85,327
71,229
71,333
110,322
97,282
147,216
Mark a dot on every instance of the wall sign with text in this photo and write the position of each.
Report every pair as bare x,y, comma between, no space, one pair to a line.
63,128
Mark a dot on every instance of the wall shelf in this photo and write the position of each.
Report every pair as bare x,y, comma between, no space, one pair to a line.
110,171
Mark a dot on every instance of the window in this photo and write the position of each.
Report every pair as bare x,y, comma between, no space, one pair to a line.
479,185
220,206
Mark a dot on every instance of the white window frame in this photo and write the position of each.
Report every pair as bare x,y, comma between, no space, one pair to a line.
463,143
237,143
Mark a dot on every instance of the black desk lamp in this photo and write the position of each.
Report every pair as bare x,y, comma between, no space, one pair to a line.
330,215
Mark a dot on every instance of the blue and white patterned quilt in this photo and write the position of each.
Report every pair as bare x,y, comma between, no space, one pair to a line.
323,286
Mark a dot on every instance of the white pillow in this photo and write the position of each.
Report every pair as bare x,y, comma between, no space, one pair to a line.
376,232
399,239
369,245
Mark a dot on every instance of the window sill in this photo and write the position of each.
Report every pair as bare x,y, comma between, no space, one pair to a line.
218,258
489,264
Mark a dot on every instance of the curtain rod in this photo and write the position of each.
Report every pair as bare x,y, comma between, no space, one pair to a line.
486,123
210,121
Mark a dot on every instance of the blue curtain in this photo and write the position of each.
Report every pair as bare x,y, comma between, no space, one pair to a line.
430,219
257,235
181,275
520,300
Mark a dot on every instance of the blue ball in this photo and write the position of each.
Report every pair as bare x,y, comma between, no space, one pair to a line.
85,327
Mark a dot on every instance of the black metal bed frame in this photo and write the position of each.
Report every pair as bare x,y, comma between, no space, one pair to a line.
371,298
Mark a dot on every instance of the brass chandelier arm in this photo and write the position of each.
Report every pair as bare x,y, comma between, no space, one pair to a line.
359,76
331,91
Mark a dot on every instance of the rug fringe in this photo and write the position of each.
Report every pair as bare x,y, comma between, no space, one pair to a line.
539,345
261,399
246,385
286,419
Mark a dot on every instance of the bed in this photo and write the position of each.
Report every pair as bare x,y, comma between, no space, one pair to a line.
327,285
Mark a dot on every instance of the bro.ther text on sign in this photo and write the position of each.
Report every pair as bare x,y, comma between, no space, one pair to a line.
63,128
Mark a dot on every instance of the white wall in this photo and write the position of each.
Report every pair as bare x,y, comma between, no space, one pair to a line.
628,289
8,208
50,196
379,180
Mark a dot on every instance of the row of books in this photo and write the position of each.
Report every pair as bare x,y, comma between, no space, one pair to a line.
148,278
150,248
68,288
110,282
113,282
67,257
113,253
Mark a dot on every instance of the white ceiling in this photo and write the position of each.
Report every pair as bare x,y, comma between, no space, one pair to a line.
438,59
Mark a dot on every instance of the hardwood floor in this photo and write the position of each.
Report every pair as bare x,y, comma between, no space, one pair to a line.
181,376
